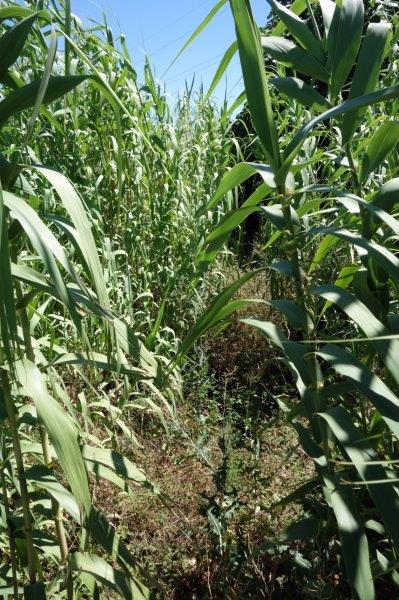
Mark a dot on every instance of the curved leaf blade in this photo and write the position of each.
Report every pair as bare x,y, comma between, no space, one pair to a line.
367,72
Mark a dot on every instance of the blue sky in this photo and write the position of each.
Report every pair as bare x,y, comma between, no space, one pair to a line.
160,27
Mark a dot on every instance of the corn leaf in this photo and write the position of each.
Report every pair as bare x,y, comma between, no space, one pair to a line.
384,400
12,42
327,10
385,497
388,350
381,143
62,431
290,55
256,84
353,538
367,72
343,41
361,101
299,30
299,90
111,578
25,97
237,175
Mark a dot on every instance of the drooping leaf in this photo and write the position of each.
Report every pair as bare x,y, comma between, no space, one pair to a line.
299,90
360,453
85,239
25,97
237,175
294,351
388,350
385,401
354,542
290,55
114,579
61,430
381,143
361,101
12,42
117,463
299,30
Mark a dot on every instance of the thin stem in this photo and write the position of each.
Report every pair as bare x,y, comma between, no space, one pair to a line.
57,511
10,535
21,475
316,27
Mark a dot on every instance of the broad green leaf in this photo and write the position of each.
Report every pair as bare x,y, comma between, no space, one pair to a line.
347,106
294,315
257,196
344,279
343,41
382,142
62,431
326,245
12,42
113,579
224,63
387,196
114,461
354,542
25,97
290,55
386,259
85,239
275,213
237,175
8,317
365,319
299,90
42,478
385,497
256,84
230,222
17,12
297,7
299,30
45,244
366,73
384,400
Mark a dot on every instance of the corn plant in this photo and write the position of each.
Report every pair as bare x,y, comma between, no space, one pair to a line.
51,533
328,195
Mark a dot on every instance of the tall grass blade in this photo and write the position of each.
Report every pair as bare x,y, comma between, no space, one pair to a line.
256,84
62,431
367,72
343,41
